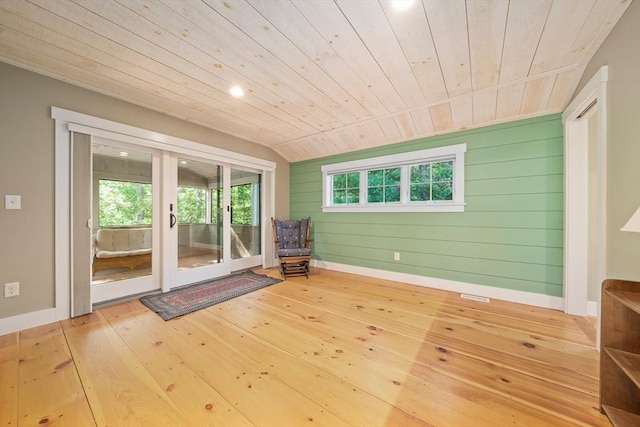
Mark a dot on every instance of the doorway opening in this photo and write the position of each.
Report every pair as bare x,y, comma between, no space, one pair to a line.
585,121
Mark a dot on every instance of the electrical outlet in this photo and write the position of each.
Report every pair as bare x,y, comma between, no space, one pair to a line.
11,289
396,256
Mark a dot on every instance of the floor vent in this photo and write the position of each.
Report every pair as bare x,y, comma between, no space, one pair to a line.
475,298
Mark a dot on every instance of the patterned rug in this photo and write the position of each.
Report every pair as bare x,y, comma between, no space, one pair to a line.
205,294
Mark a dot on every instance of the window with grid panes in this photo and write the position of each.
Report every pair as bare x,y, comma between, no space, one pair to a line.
429,180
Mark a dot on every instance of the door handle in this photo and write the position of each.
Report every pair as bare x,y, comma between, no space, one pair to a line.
172,217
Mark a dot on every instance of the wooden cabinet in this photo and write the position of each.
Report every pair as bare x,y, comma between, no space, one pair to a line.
620,352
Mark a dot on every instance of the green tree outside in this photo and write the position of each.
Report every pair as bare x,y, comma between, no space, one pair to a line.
346,188
383,185
124,203
242,204
192,205
431,182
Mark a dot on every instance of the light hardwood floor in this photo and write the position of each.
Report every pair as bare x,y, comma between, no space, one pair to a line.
332,350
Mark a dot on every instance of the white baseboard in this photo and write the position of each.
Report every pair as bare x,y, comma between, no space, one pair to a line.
27,320
529,298
592,308
42,317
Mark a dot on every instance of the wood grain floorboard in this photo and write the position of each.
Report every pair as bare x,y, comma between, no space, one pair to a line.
332,350
9,378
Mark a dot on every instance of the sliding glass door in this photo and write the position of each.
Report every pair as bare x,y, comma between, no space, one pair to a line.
215,220
164,220
198,221
125,202
129,222
246,218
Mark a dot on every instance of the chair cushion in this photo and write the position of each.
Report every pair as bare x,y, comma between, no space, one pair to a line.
292,233
294,252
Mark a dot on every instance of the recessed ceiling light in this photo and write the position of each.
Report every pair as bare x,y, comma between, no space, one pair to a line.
183,162
236,91
401,5
123,154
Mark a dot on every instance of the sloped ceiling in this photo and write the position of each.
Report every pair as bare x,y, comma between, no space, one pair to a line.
320,77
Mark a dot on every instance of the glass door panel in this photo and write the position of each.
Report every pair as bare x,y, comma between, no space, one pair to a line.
123,209
199,218
200,240
246,219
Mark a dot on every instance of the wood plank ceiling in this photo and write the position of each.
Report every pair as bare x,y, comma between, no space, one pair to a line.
320,77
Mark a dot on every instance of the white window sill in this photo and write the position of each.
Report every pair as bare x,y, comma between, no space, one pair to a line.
435,207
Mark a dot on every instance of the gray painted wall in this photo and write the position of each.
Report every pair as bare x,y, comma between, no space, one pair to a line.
27,168
621,53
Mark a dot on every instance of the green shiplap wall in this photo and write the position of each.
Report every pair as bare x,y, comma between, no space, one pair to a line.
510,235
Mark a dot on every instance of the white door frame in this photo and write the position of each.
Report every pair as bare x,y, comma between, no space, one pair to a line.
576,230
67,120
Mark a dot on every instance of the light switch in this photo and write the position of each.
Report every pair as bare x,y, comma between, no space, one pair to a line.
11,201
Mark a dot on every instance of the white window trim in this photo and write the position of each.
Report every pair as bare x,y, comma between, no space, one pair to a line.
450,152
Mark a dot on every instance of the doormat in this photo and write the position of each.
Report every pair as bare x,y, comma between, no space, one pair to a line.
201,295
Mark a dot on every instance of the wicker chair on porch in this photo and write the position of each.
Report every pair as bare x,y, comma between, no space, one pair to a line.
293,245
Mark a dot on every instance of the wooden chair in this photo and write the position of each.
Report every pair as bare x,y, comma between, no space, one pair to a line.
293,245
